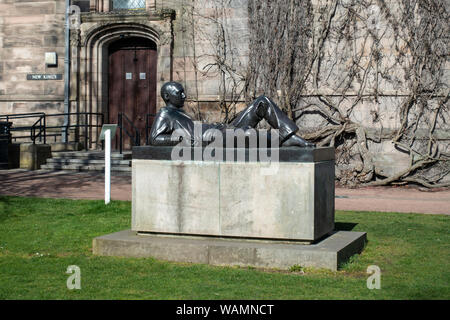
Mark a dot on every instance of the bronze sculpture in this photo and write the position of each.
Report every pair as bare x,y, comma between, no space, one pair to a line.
172,117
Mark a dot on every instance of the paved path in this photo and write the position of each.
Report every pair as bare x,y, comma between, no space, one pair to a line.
62,184
81,185
393,199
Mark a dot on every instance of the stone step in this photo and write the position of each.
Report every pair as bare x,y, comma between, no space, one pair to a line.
91,155
67,161
88,161
77,167
71,146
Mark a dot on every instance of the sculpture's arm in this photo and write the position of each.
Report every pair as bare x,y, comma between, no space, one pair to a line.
165,140
161,133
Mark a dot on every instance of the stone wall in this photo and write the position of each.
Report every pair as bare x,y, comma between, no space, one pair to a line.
28,29
364,70
208,33
205,45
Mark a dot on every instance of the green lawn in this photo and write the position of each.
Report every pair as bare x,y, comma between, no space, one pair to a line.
40,238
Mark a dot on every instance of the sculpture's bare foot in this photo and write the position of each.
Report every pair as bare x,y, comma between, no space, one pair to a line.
296,141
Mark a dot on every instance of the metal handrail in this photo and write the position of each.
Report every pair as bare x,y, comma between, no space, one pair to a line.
42,129
41,124
86,124
40,115
32,128
21,115
136,137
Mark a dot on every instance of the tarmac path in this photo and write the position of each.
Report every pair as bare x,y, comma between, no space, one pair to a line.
88,185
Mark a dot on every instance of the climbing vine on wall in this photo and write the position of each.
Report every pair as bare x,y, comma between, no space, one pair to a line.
357,75
216,54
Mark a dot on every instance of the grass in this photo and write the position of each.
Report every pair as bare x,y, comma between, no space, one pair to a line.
40,238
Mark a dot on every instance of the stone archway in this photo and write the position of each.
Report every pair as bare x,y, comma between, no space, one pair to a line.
132,68
89,58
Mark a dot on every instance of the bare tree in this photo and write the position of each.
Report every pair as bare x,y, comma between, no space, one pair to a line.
218,57
327,60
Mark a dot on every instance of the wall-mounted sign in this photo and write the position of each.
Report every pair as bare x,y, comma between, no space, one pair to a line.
51,59
44,76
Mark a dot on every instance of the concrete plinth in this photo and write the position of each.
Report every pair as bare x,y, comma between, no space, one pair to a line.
328,253
291,200
234,212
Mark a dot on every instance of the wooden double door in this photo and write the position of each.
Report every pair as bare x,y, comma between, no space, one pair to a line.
131,86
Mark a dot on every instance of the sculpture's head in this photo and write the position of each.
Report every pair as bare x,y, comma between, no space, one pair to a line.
173,94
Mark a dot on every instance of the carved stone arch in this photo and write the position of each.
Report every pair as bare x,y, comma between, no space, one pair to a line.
90,73
153,31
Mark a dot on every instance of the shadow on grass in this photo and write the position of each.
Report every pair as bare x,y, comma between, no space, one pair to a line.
344,226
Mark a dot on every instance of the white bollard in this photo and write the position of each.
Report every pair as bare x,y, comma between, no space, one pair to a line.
107,166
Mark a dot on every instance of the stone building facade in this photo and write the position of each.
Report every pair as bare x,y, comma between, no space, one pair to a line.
206,44
30,29
27,31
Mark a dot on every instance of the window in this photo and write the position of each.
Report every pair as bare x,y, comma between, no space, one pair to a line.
128,4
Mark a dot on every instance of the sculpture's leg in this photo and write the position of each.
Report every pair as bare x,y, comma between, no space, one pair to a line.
265,108
297,141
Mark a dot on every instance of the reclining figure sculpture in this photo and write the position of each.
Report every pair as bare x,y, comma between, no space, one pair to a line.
172,118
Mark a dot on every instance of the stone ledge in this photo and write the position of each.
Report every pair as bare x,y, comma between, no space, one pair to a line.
329,253
286,154
32,156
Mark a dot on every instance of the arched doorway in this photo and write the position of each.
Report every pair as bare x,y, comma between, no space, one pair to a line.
132,77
